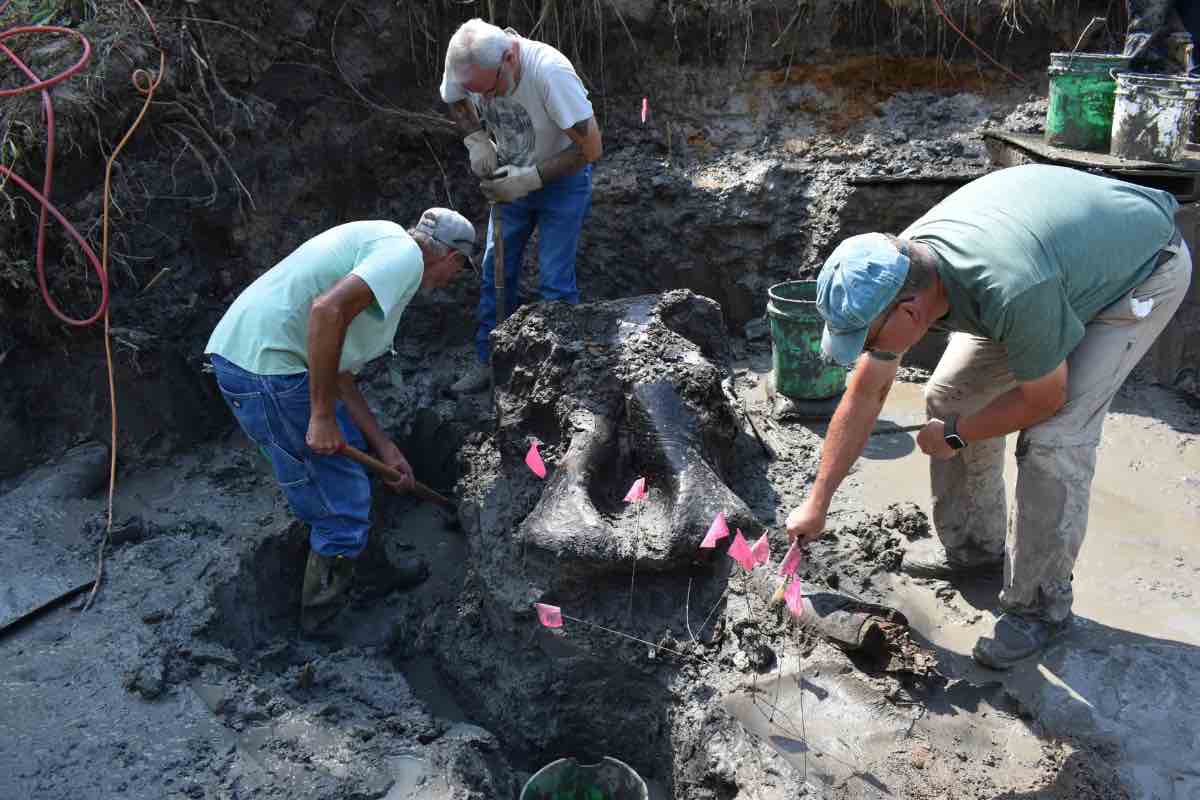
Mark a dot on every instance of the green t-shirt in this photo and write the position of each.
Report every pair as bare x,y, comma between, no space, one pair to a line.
1031,254
265,331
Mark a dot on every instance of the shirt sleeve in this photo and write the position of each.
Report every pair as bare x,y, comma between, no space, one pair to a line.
391,267
1039,329
565,98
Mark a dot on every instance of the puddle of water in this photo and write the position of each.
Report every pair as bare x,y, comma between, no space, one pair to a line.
840,732
1141,538
411,775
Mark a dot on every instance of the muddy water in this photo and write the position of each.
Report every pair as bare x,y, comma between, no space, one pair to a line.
1144,517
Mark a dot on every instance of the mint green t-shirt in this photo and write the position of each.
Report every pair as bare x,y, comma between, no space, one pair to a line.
1031,254
265,331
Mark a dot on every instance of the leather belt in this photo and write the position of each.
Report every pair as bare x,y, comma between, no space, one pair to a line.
1171,250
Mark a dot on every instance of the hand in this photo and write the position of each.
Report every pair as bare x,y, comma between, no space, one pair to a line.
511,183
932,441
482,153
324,436
391,455
805,524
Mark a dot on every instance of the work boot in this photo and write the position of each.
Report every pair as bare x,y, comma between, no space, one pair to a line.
326,589
474,380
928,558
1016,636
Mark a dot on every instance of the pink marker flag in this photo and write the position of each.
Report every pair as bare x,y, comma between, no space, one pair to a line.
637,491
645,108
740,552
794,599
791,560
716,532
533,459
761,550
550,616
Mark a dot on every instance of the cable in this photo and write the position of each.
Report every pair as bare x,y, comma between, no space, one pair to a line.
146,86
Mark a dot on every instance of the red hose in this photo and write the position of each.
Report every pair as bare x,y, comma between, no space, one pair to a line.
39,84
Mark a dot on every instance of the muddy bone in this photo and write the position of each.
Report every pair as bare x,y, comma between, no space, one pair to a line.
620,389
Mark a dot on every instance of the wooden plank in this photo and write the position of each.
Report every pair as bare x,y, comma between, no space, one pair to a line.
1035,145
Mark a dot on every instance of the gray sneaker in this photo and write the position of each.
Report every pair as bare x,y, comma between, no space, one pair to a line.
927,558
474,380
1016,636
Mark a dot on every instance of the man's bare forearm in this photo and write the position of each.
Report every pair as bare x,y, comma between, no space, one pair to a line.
464,116
851,426
326,332
360,412
585,148
568,162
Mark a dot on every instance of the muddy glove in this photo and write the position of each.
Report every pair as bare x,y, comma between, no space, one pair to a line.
511,183
483,153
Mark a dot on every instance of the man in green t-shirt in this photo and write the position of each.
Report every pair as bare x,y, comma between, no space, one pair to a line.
285,355
1055,283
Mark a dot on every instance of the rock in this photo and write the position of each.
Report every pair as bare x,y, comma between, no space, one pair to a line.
77,474
146,679
756,329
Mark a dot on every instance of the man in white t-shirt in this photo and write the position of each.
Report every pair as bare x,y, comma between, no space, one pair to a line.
285,355
534,159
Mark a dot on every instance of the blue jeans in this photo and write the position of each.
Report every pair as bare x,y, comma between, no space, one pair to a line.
557,210
330,493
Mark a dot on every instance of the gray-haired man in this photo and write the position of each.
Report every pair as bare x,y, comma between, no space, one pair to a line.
285,355
534,158
1056,282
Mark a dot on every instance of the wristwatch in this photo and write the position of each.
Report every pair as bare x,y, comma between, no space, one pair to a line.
950,433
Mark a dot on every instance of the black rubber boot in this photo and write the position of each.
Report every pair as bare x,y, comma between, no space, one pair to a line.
326,590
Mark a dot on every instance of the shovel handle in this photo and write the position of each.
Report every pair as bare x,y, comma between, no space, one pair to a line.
419,489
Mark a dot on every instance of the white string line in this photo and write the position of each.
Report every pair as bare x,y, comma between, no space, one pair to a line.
636,639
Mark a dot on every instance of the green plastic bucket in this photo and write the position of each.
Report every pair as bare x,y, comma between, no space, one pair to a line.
1082,93
800,372
567,779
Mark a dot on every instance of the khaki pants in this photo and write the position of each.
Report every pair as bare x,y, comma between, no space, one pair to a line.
1055,458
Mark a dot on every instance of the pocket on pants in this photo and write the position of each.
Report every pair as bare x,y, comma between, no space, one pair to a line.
293,475
301,491
250,410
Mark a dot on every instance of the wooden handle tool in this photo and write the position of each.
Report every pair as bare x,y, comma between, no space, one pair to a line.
419,489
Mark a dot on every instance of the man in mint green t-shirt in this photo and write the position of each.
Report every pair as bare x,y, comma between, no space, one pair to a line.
285,355
1055,283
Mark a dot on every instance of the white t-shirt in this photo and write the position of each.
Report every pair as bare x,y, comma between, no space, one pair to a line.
528,125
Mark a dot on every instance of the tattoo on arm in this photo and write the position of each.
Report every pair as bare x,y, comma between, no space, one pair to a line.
568,162
883,355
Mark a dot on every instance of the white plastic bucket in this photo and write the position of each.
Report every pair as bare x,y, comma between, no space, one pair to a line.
1153,117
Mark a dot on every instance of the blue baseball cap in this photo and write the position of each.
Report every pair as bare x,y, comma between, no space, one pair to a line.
860,278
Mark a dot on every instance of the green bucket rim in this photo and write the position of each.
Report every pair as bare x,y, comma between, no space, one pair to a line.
773,293
1086,63
641,783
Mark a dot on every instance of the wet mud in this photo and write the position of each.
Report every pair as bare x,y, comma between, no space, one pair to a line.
189,677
